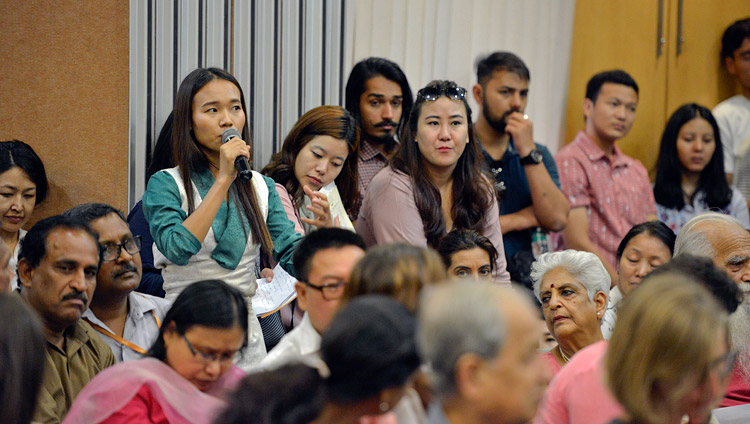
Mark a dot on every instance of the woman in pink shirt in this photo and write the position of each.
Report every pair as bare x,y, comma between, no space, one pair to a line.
434,182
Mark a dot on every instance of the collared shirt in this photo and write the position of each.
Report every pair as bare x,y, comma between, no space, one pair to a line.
369,163
435,413
616,192
67,371
514,192
733,117
141,327
300,344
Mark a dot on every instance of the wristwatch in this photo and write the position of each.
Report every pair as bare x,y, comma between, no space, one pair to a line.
534,158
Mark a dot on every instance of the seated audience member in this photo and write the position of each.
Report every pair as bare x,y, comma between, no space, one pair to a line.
161,158
323,260
669,356
57,269
379,97
644,248
127,321
370,356
733,114
572,287
188,369
608,191
21,360
6,274
690,176
467,253
316,169
723,239
434,181
578,393
482,355
524,171
396,270
23,186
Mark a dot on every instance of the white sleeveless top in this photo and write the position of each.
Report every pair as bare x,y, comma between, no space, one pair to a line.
202,267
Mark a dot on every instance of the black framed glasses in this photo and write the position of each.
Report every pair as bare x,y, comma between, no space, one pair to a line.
330,291
432,93
112,251
206,358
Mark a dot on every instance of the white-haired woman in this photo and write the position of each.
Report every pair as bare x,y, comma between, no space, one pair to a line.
572,287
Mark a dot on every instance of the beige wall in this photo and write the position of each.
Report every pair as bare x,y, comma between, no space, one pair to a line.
64,90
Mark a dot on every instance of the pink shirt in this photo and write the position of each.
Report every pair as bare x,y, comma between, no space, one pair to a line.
554,366
369,163
578,394
389,214
615,192
738,389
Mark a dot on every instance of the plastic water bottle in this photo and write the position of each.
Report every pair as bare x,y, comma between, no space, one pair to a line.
539,243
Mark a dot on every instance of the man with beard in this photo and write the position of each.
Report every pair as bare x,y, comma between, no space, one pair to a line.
722,238
126,320
57,267
379,97
525,172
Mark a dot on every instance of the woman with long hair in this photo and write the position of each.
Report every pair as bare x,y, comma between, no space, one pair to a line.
23,186
316,169
690,175
207,222
434,183
188,370
467,253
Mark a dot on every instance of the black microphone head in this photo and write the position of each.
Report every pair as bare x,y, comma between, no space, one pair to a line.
229,134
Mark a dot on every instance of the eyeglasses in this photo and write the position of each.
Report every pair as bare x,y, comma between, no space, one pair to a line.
431,94
112,251
330,291
206,358
724,364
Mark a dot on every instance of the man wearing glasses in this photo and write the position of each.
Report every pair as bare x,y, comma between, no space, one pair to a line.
323,262
57,268
126,320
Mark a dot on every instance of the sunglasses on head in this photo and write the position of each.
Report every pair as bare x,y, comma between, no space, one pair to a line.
431,94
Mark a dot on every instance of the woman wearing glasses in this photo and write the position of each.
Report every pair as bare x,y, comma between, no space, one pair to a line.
189,368
434,182
206,221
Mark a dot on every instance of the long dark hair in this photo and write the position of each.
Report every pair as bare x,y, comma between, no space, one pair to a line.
161,156
15,153
22,350
371,68
472,192
712,180
209,303
189,156
333,121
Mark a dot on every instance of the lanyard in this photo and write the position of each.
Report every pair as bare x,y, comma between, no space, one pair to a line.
119,339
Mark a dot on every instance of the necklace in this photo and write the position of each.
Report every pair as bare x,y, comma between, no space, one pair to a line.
564,356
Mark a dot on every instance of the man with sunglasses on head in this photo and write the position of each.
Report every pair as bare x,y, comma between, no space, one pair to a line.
524,171
323,262
126,320
379,97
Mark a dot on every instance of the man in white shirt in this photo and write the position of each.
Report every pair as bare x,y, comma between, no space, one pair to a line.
126,320
323,262
733,114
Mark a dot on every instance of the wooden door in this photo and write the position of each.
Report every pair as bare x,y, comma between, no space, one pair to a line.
697,74
614,34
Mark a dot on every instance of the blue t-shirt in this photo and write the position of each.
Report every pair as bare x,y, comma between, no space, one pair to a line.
513,191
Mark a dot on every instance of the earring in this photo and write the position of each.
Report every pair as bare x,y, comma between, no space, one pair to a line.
598,313
384,407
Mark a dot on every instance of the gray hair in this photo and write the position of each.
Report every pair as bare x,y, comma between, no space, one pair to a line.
455,318
693,241
585,267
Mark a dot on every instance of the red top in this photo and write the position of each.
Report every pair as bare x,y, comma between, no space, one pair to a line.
738,389
143,408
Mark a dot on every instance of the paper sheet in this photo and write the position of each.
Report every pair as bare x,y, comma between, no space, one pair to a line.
272,296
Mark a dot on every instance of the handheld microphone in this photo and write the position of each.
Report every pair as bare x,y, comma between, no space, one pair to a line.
241,163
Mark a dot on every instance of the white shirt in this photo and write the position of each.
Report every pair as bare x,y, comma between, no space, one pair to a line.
610,315
141,327
13,261
299,345
733,117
